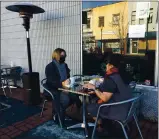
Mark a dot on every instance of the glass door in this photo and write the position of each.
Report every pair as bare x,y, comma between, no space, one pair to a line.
134,47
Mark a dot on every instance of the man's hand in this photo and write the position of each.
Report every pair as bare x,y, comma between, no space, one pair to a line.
91,93
89,86
66,82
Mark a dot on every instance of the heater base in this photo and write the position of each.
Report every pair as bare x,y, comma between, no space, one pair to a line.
32,87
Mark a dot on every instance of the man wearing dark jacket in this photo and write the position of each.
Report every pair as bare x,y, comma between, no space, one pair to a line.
57,74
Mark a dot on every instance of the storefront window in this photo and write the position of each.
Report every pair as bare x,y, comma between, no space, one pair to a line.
129,29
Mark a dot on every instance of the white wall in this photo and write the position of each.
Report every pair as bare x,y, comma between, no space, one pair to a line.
154,5
59,26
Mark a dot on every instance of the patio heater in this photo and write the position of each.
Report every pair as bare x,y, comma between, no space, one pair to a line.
30,79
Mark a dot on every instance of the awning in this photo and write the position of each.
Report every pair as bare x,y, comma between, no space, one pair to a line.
151,35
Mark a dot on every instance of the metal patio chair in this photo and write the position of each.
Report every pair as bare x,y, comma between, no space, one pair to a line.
78,78
46,99
4,84
131,114
132,85
13,76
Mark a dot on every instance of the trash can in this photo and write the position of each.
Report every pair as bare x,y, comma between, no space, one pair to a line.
32,86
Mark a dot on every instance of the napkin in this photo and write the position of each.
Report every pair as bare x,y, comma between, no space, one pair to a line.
96,82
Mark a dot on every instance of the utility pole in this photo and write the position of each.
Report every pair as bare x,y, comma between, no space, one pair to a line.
101,38
147,25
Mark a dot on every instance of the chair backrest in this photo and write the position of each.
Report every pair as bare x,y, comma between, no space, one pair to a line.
15,72
131,110
43,84
133,106
78,77
132,85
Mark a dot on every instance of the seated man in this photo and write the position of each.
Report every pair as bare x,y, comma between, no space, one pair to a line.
57,74
113,89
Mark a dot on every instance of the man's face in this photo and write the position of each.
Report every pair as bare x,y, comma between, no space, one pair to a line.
62,54
62,57
108,67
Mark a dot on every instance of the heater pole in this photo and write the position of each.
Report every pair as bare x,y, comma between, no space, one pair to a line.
26,24
29,51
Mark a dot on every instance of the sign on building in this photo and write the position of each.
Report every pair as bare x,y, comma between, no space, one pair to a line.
137,31
142,9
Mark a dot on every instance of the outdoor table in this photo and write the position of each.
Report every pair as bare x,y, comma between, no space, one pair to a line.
78,90
149,102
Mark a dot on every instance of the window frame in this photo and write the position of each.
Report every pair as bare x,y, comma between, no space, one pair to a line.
115,22
100,23
141,19
89,25
150,16
133,15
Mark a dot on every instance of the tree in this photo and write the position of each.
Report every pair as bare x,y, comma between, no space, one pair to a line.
119,26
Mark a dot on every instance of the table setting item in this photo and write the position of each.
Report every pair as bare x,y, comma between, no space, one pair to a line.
96,81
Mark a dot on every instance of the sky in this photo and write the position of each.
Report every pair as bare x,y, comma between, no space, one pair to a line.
92,4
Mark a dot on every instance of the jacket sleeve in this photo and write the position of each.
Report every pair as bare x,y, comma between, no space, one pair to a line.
53,78
68,71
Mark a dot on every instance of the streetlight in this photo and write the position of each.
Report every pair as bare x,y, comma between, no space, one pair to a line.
31,79
148,19
101,38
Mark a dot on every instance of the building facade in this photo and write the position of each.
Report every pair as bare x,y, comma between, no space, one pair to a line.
59,26
138,45
87,32
109,25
